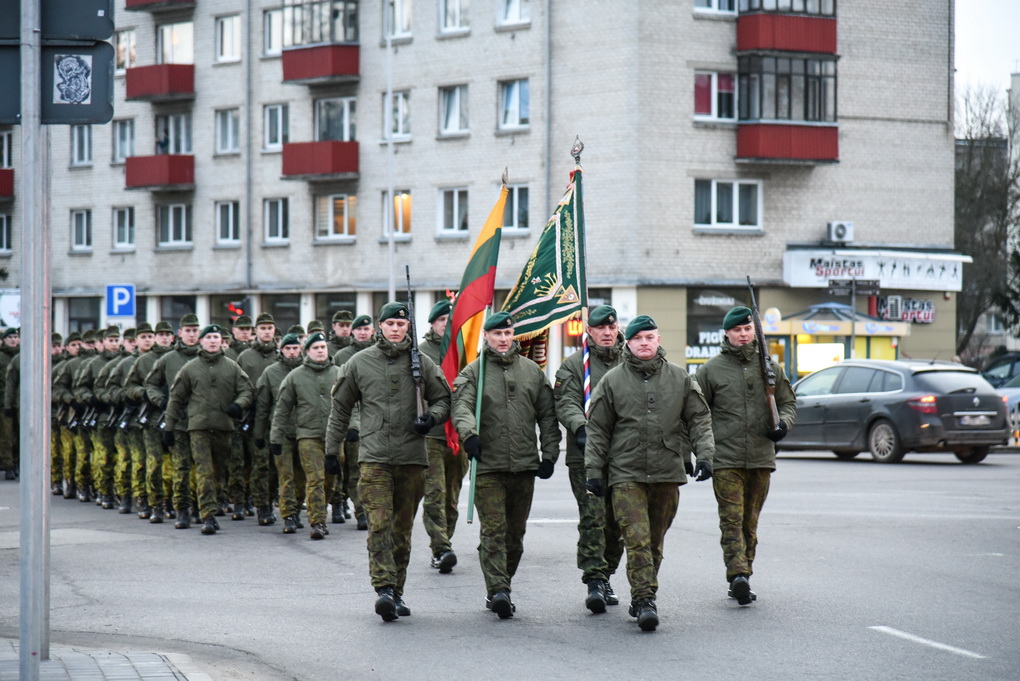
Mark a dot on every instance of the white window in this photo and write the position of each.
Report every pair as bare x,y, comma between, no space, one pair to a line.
453,110
123,140
6,149
515,215
228,38
176,43
6,234
272,31
228,222
124,44
81,145
335,119
335,216
726,6
228,131
275,126
514,104
514,12
400,112
715,95
81,230
729,204
173,222
276,220
397,19
453,210
401,209
124,227
173,134
453,16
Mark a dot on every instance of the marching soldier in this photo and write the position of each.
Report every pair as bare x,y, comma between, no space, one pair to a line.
88,390
516,397
63,439
341,336
8,458
253,464
126,482
241,332
63,382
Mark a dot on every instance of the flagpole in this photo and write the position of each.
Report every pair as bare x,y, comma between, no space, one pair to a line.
575,151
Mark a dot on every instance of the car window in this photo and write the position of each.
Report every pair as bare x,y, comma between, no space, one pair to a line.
1013,382
949,382
885,381
819,383
855,380
1001,370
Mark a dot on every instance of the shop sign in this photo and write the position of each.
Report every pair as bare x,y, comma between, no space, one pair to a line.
912,270
708,345
904,309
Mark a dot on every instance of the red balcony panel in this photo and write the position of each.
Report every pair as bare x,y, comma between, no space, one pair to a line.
783,32
789,143
311,159
6,184
161,82
167,172
157,5
321,63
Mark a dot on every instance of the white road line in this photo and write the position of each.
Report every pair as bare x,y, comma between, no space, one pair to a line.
926,642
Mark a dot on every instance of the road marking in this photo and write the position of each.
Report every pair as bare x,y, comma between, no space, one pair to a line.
926,642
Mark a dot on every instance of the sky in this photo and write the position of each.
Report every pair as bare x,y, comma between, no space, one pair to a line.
987,43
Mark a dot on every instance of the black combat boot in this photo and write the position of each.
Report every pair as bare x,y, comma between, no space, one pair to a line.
386,604
740,588
290,524
362,522
338,514
446,562
108,502
501,604
56,489
266,516
596,600
402,609
646,613
83,496
318,531
183,519
144,510
70,489
157,515
125,505
238,512
168,510
209,525
611,597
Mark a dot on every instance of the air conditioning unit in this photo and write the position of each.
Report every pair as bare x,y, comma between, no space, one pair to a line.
894,308
841,231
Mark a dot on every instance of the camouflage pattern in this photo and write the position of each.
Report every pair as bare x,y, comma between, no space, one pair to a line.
182,462
599,543
740,494
121,464
318,485
56,456
155,462
68,451
104,456
390,495
645,511
7,458
136,445
82,460
443,480
291,473
210,449
503,501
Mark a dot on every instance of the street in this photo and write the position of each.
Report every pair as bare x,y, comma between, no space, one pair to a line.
864,571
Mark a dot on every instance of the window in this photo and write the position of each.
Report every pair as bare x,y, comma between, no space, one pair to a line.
515,215
228,38
714,95
335,119
453,110
514,12
513,104
177,43
6,149
453,215
401,213
124,44
335,216
228,223
173,223
453,16
81,230
6,234
308,22
124,227
123,140
783,88
276,220
400,127
275,126
81,145
728,6
824,7
173,134
397,22
727,203
272,32
228,131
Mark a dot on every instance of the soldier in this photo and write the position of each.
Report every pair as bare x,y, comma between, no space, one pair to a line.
303,406
8,459
289,472
90,390
56,440
363,336
745,450
599,545
341,336
10,400
71,348
63,391
392,454
215,391
640,415
254,465
313,326
516,397
125,482
241,332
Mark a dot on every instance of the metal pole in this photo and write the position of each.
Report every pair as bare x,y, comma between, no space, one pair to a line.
853,318
388,209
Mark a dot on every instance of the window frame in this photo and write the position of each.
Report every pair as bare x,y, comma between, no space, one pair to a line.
6,234
128,227
179,126
520,9
447,92
125,56
460,10
349,123
520,123
121,149
391,10
513,208
235,40
396,131
81,146
232,143
282,237
349,220
775,77
714,94
166,214
162,46
735,206
457,210
84,244
398,216
6,149
825,8
272,32
234,216
281,128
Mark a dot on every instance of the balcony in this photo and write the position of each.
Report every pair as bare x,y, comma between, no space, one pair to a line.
6,184
161,83
786,33
167,172
787,143
320,161
317,64
158,5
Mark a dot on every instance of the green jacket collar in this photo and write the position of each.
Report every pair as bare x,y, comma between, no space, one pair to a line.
645,367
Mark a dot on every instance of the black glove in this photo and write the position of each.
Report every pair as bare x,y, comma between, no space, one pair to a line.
234,410
275,449
779,433
545,469
161,403
689,469
9,412
333,464
473,447
95,402
168,438
260,443
581,438
352,435
596,486
424,423
130,402
703,470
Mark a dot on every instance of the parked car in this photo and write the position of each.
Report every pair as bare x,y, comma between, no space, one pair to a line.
1002,369
890,407
1011,393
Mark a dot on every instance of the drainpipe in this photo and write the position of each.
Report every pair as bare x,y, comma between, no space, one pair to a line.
248,58
548,106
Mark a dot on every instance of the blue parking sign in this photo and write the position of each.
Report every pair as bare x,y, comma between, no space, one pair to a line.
120,300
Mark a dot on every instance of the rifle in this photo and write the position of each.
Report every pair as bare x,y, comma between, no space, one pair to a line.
248,419
419,383
143,414
111,420
59,416
766,366
73,421
88,417
125,417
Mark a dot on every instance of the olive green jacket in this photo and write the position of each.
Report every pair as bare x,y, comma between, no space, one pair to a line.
303,402
257,359
236,347
430,348
205,387
640,415
134,386
735,392
6,356
63,379
86,379
345,353
569,389
12,384
265,397
337,343
164,371
516,397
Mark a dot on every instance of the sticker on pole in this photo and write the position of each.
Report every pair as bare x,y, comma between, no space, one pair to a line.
72,79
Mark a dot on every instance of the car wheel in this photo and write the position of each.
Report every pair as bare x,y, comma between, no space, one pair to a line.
972,454
845,455
884,442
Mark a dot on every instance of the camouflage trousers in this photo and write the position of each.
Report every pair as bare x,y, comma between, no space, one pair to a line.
503,501
6,443
82,460
443,480
350,470
56,455
158,468
136,445
67,451
182,463
390,496
210,450
121,464
599,544
291,474
318,485
248,470
645,511
104,455
740,493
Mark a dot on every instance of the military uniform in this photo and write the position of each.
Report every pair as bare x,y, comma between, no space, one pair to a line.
10,399
89,389
8,459
289,471
254,361
129,467
80,473
337,342
350,468
236,347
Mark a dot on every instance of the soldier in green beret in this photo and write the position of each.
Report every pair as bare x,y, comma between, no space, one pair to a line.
341,336
8,457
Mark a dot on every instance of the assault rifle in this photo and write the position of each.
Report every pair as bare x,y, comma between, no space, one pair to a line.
125,417
767,372
248,419
73,419
59,416
143,414
419,383
111,419
88,418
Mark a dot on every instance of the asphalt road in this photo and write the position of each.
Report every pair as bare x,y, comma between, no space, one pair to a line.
864,571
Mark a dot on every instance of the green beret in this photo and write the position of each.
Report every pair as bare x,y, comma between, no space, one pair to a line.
315,337
13,331
500,320
393,311
265,318
56,339
315,325
439,309
164,327
189,319
111,332
242,322
298,329
639,324
343,317
736,316
130,333
89,336
360,321
212,328
290,339
603,315
73,336
144,327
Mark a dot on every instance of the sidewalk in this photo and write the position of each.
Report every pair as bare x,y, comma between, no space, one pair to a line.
81,664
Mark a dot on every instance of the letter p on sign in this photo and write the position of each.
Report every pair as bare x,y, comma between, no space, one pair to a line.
120,300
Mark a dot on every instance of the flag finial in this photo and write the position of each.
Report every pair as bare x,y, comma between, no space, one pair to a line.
577,149
506,177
